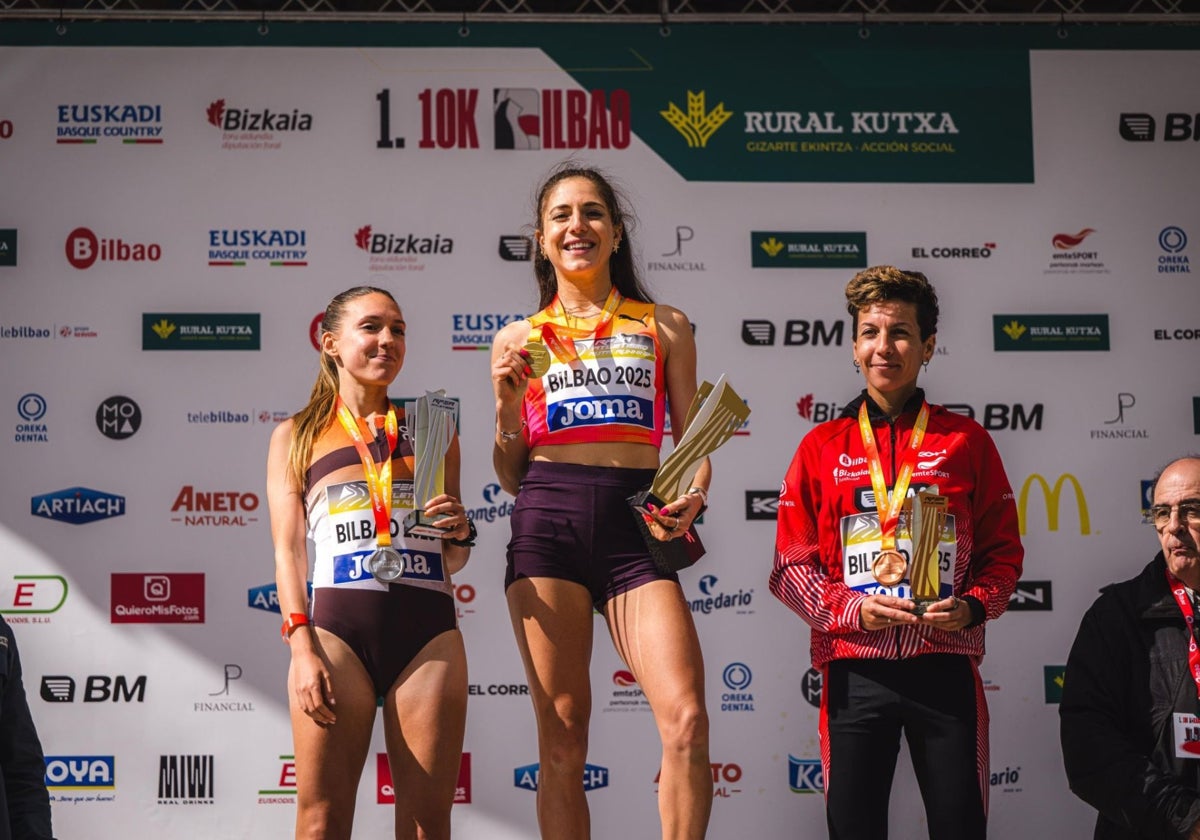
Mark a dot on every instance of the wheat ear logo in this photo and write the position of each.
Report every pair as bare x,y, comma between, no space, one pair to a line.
1014,330
696,125
772,246
163,328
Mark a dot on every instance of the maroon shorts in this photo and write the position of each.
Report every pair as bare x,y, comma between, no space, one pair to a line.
571,522
386,630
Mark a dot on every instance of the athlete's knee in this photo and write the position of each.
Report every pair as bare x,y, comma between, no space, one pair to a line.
433,826
564,713
322,821
565,750
684,727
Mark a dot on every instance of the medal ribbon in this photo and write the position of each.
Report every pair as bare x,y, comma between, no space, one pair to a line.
1189,618
908,461
379,479
561,339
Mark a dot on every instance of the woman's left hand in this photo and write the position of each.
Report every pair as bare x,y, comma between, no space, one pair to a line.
672,521
454,521
951,613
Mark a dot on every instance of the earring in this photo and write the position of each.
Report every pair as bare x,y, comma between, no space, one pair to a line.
616,246
925,366
857,366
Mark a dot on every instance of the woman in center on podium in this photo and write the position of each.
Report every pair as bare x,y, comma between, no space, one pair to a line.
840,563
571,458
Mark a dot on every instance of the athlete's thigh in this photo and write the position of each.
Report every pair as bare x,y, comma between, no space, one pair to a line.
553,620
652,629
425,714
329,759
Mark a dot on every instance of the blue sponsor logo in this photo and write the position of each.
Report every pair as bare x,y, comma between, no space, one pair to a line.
714,599
31,407
80,771
1007,780
599,411
805,775
77,505
737,677
265,598
418,565
1173,240
1147,487
594,777
498,505
274,247
476,330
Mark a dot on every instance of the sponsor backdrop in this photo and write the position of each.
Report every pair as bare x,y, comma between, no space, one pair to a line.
184,215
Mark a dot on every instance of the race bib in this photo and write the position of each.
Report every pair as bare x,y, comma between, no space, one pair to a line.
352,527
611,382
861,545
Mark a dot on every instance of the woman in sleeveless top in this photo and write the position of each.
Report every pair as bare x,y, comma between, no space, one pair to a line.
340,473
572,444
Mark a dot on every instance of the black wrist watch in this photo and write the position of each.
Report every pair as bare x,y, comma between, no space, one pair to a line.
469,541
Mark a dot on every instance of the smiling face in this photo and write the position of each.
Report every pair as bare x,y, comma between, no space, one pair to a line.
1178,492
369,342
888,346
576,232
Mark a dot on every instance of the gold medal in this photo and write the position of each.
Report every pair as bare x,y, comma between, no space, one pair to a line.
538,359
889,568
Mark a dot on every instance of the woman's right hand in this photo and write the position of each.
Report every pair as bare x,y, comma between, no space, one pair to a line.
510,369
312,686
879,612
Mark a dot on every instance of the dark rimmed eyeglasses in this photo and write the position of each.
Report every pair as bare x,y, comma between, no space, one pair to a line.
1188,511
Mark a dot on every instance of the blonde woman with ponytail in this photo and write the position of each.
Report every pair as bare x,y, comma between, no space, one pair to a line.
338,473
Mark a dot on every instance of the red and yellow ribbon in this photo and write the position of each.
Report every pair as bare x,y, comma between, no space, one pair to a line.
561,338
379,479
889,508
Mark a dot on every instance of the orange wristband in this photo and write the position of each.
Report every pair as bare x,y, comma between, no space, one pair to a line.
290,624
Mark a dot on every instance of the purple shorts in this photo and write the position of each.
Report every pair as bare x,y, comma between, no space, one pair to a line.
386,630
571,522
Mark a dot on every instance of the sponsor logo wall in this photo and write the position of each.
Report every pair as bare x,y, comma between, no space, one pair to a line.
133,522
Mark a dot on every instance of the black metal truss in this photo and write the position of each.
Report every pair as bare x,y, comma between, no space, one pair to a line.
662,12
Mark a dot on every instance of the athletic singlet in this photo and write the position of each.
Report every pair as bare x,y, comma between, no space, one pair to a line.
614,391
341,523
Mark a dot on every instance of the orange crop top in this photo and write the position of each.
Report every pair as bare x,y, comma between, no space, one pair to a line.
614,391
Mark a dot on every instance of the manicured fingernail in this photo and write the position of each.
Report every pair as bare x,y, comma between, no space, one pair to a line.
524,353
528,370
649,519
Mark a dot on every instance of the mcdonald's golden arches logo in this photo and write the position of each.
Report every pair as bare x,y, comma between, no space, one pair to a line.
1052,497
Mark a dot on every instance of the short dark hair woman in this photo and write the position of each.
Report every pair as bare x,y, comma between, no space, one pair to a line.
843,555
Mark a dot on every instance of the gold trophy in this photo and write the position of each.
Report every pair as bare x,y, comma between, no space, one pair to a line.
715,414
926,520
429,423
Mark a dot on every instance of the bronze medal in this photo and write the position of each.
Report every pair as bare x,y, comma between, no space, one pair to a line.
538,359
889,568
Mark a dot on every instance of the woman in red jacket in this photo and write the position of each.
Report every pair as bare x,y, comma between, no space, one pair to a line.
842,562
